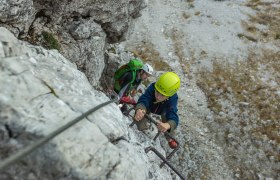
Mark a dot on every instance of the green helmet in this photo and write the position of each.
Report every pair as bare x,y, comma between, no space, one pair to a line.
168,84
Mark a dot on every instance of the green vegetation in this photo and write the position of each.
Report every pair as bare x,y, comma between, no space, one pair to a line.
277,36
50,41
52,91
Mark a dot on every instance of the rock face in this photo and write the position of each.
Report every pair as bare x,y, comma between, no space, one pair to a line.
78,29
18,15
41,91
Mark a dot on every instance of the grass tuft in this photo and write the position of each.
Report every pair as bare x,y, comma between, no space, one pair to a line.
50,41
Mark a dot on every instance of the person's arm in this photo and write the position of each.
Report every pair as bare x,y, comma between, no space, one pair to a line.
146,98
143,103
172,113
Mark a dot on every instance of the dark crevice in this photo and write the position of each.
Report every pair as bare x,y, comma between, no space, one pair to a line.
50,88
111,170
16,74
97,22
10,132
86,16
112,35
75,16
42,13
31,31
20,33
39,14
115,141
69,105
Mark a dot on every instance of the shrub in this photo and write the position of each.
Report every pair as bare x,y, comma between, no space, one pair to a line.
49,41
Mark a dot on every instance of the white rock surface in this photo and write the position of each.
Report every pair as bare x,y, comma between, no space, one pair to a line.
41,91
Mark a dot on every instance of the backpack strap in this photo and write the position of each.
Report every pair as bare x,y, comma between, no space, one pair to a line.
133,78
133,74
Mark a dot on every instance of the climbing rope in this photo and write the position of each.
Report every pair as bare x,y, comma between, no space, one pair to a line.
27,150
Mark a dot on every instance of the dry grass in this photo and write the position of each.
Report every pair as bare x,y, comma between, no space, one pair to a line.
251,28
268,13
197,13
186,15
245,83
248,37
205,173
250,89
147,53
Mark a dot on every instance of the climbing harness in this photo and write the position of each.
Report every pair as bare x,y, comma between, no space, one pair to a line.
27,150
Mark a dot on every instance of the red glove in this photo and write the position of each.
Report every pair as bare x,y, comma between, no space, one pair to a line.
124,99
127,100
132,102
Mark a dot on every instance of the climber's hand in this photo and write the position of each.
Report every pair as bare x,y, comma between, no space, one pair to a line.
133,93
163,127
139,114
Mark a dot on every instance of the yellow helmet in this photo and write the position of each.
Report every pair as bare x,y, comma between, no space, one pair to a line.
168,84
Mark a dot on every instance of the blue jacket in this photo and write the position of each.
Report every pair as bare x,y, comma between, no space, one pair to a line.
168,106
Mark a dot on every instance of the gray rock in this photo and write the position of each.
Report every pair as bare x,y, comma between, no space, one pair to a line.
81,28
41,91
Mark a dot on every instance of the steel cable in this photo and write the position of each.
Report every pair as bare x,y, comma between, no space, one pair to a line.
27,150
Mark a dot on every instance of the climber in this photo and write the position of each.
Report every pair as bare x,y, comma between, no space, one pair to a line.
160,98
129,81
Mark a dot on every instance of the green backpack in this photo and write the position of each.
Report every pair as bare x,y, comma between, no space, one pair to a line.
133,65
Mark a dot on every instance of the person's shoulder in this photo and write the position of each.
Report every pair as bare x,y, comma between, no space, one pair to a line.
174,97
151,86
